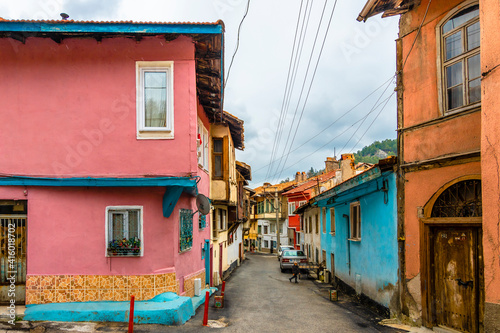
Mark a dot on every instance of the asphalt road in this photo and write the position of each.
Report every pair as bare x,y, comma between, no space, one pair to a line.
259,298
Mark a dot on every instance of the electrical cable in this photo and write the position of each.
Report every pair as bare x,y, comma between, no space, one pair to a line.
332,123
300,48
286,88
237,44
313,76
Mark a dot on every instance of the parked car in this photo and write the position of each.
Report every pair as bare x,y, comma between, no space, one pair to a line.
283,248
289,257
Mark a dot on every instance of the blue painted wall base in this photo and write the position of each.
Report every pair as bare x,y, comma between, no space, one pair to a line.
167,309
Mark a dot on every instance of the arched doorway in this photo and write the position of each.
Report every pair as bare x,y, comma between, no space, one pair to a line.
452,284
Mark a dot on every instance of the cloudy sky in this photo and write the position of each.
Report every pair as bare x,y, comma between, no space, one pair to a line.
344,100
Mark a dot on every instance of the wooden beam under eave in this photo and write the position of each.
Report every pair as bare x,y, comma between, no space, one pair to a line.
57,38
19,37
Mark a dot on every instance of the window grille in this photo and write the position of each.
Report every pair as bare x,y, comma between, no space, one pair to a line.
462,199
202,220
186,229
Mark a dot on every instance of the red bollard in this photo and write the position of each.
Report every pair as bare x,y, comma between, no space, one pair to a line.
205,315
131,317
223,288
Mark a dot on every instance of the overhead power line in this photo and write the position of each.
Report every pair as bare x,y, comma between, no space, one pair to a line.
331,124
311,81
237,43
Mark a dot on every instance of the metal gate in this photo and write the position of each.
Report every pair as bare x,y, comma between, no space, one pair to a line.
12,258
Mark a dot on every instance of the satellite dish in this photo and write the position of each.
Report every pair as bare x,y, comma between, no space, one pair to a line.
203,204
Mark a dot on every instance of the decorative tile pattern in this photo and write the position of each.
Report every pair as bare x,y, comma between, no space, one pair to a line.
33,282
47,282
77,295
91,282
120,295
62,296
77,281
42,289
32,296
135,281
107,295
91,295
47,296
120,282
147,294
62,282
106,282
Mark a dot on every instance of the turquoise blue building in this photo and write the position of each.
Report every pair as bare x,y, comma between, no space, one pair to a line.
359,240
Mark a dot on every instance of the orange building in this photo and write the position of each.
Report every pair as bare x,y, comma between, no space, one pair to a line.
448,161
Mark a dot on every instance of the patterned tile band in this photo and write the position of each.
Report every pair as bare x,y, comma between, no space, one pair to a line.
42,289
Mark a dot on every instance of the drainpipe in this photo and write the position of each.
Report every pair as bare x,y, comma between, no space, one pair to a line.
348,243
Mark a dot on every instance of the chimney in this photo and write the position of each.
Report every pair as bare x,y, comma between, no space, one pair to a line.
331,164
298,176
347,166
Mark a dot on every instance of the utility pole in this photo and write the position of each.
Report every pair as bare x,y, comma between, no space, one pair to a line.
277,206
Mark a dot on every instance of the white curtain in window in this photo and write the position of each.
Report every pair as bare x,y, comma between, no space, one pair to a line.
155,99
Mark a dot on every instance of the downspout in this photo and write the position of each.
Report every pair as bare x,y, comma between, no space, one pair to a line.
402,308
348,243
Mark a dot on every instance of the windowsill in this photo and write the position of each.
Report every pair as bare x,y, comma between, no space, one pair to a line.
184,251
159,135
354,239
476,105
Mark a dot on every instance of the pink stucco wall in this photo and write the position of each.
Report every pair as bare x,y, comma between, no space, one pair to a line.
490,147
70,108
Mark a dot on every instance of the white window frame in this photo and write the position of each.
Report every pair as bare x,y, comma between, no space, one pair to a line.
443,63
291,208
166,132
355,218
332,221
203,157
303,202
107,227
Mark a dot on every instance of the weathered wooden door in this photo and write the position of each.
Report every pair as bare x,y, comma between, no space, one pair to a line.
454,276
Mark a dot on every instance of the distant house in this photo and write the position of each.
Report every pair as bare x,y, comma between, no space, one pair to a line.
358,232
99,124
306,189
267,198
228,177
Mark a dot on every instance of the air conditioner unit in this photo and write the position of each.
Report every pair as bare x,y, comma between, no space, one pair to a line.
197,287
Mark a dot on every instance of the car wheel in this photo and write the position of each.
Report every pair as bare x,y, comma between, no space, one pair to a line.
282,269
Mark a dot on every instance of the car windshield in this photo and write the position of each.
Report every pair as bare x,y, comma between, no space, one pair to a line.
294,254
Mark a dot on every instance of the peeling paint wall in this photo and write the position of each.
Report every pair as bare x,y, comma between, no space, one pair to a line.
369,265
490,153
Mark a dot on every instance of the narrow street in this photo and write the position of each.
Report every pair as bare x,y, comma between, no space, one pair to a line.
259,298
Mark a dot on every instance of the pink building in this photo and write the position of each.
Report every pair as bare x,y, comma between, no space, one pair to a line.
102,158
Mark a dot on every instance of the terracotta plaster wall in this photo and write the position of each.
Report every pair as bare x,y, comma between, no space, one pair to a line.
70,108
490,148
420,75
458,135
420,187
